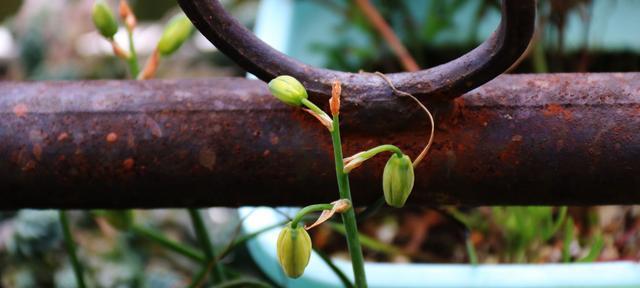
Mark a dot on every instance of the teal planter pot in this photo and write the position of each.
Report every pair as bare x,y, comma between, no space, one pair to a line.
279,20
391,275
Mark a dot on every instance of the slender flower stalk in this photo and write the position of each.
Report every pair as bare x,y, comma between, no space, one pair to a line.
288,90
130,23
349,216
71,248
309,209
356,160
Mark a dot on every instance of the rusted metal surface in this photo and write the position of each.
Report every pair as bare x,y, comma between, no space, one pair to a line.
443,82
544,139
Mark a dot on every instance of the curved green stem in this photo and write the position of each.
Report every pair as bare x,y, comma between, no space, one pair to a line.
177,247
349,216
307,210
71,248
205,243
383,148
313,107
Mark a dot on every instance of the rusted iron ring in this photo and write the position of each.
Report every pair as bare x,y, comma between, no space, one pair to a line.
443,82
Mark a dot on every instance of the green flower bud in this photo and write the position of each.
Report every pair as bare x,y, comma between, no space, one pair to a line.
104,20
288,90
294,250
397,180
175,34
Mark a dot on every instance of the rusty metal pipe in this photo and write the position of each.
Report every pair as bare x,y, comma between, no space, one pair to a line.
526,139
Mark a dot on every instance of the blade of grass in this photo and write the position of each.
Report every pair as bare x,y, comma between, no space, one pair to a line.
343,278
174,246
71,248
568,238
370,243
562,215
594,252
471,251
371,210
205,243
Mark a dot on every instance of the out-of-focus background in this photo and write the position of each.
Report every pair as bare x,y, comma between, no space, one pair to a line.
56,40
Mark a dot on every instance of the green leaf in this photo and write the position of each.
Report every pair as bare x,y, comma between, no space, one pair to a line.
568,238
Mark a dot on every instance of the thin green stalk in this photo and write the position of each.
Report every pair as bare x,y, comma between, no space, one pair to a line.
313,107
71,248
568,238
471,251
309,209
205,243
177,247
349,216
134,67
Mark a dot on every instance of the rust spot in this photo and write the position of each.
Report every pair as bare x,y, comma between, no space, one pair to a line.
156,131
20,110
112,137
63,136
274,139
37,151
207,158
131,140
30,165
127,164
557,110
510,154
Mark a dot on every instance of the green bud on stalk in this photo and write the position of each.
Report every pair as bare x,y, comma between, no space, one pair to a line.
104,20
294,250
175,34
288,90
397,180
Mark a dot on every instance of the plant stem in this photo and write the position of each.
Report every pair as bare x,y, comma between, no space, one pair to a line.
349,216
168,243
205,243
134,67
471,251
71,248
313,107
383,148
307,210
